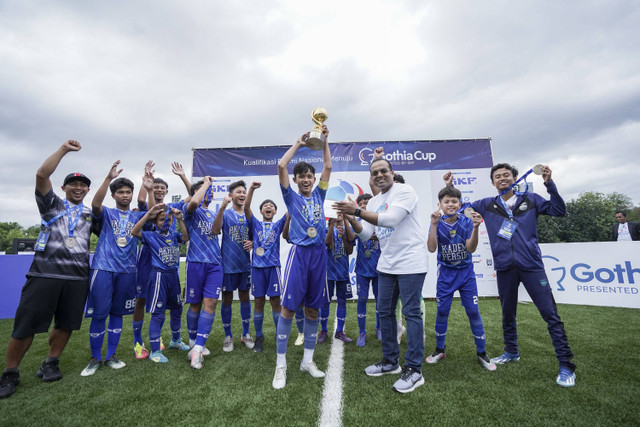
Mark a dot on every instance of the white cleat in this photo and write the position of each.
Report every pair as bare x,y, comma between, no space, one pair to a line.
312,369
299,340
196,359
280,377
227,344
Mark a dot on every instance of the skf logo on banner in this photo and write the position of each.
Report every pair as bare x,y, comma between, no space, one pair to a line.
616,280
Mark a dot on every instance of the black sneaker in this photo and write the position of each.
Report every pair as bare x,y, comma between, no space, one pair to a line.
258,344
49,371
8,383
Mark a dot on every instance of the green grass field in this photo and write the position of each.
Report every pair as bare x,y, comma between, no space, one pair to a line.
235,388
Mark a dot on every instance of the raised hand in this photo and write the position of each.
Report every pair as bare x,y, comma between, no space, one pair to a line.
176,168
435,217
114,172
71,145
546,174
448,178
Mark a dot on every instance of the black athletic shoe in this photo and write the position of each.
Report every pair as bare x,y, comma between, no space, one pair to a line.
258,344
8,383
49,371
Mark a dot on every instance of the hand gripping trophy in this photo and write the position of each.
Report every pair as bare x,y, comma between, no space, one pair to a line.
316,138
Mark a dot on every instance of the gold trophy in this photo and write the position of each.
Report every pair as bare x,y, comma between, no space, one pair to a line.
316,138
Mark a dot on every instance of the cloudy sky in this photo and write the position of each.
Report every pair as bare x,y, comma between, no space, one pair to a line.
551,82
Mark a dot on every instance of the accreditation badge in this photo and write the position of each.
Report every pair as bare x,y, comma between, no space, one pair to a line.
507,229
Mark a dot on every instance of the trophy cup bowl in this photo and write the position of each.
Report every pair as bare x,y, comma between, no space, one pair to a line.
316,138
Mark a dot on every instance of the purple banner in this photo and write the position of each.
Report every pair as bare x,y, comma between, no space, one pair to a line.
347,156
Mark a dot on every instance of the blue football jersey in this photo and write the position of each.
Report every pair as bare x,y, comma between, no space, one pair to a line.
116,224
165,252
235,230
305,213
266,235
203,244
368,255
337,259
452,242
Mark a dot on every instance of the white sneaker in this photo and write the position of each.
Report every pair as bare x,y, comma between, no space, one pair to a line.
312,369
401,331
300,339
280,377
227,344
248,341
196,359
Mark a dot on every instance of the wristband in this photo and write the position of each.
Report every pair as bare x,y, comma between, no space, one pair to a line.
357,212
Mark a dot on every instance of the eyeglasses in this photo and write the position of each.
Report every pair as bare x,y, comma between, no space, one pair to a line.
379,171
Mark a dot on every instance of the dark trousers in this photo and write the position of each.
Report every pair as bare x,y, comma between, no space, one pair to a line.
537,285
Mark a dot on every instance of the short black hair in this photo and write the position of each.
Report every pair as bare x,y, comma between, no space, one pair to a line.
195,187
365,196
379,160
623,213
119,183
161,181
513,170
237,184
302,168
268,201
449,191
398,178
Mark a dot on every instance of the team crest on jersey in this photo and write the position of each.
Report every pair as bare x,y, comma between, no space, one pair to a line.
168,240
524,206
452,233
208,214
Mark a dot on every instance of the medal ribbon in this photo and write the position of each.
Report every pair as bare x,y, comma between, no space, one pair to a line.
311,205
124,222
166,224
517,193
265,239
72,221
466,205
207,194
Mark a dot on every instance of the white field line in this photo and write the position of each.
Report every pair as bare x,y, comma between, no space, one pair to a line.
331,405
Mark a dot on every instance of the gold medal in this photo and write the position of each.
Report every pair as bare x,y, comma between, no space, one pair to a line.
70,242
122,242
260,251
312,232
367,253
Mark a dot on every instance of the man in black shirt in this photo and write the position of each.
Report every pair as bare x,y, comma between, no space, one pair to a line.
58,280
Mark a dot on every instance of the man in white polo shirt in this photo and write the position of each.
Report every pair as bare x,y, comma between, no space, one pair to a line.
402,267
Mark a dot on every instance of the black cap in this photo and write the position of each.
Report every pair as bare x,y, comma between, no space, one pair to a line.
77,176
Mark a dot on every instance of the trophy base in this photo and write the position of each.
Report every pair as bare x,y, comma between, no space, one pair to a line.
315,140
